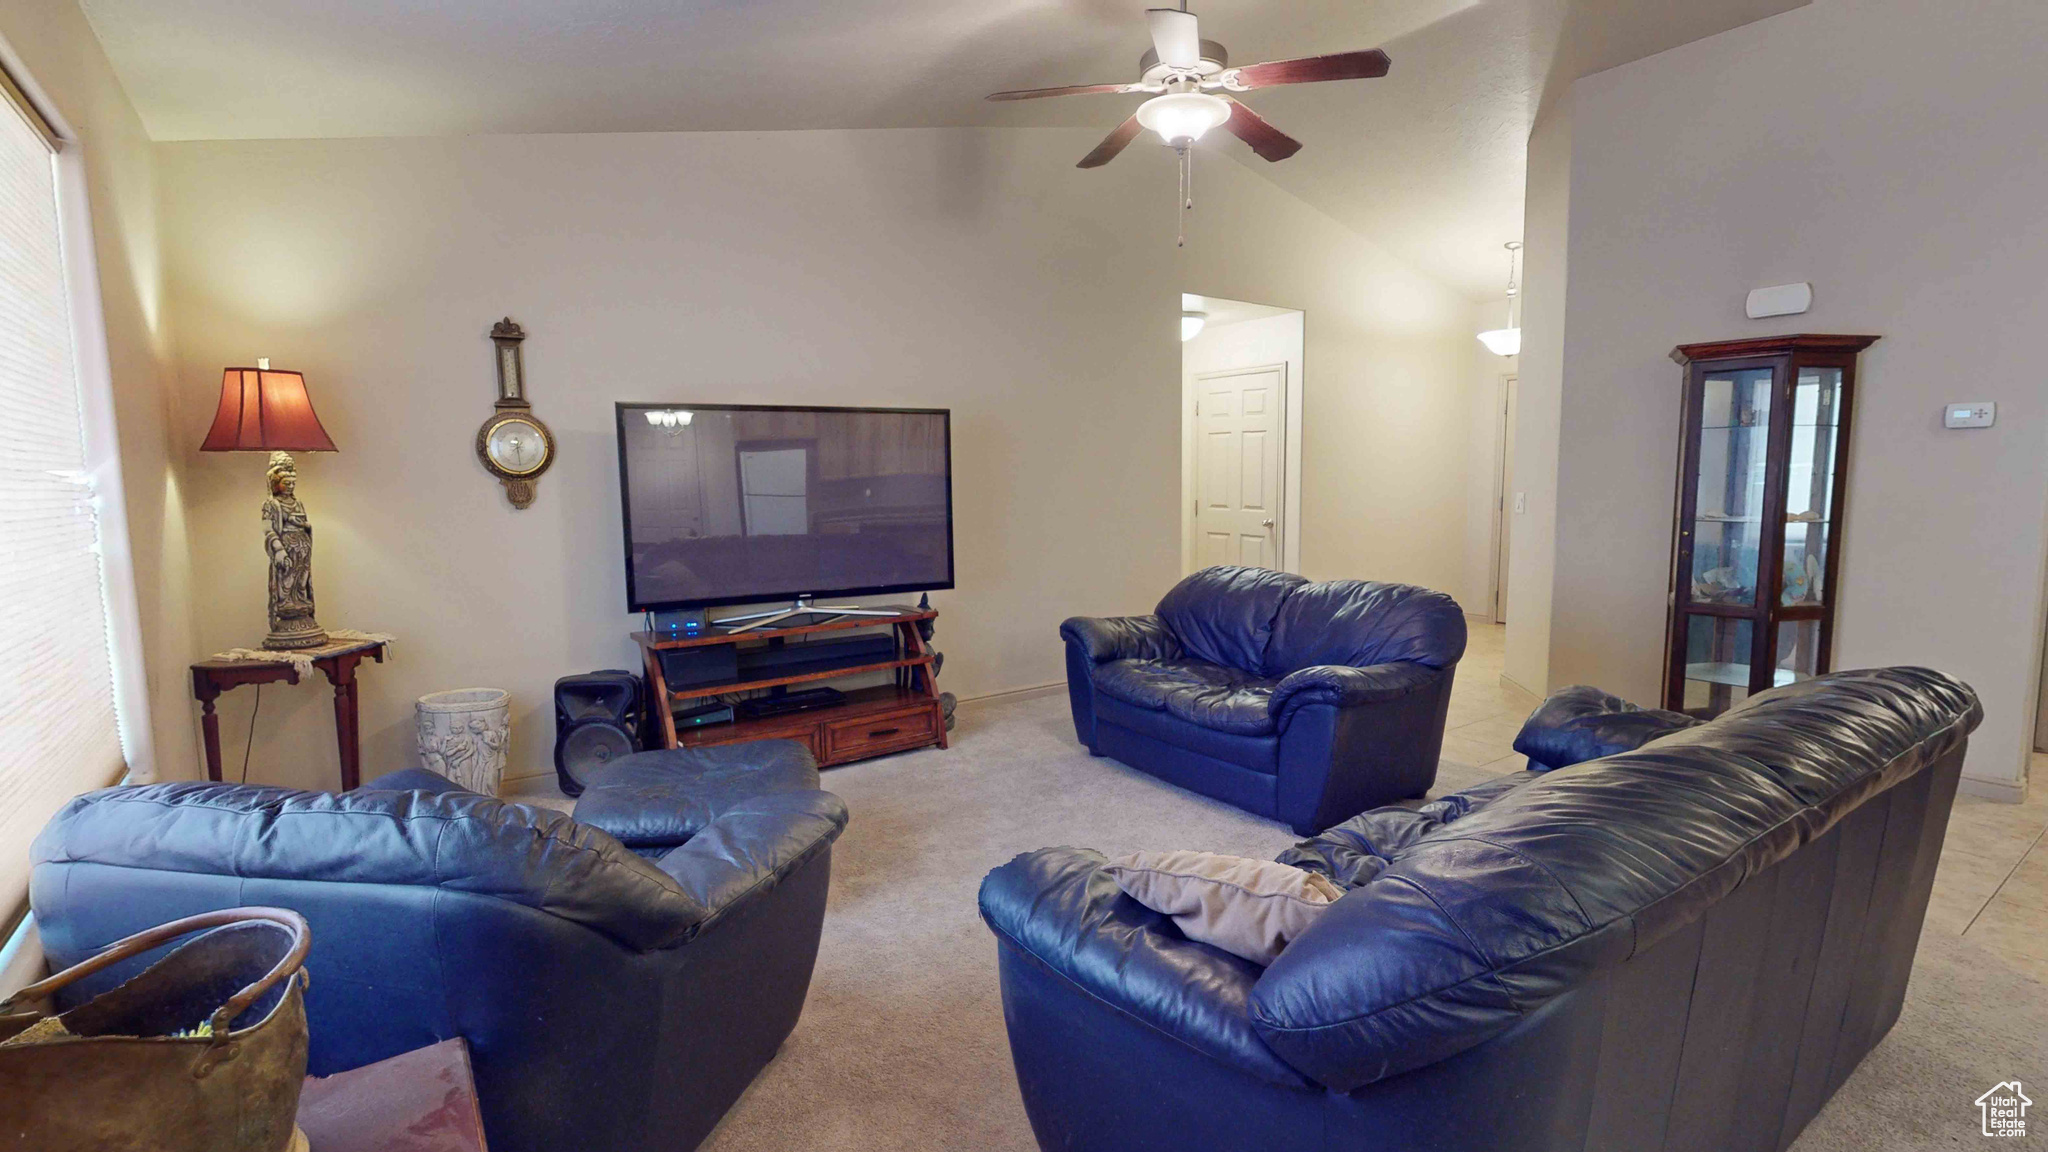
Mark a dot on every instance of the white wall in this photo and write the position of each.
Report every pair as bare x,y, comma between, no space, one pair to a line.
1387,368
975,269
1886,150
1482,481
1532,540
1244,344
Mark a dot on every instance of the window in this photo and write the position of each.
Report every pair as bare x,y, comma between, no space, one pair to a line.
59,734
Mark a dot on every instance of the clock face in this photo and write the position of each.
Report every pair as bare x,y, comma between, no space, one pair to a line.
518,446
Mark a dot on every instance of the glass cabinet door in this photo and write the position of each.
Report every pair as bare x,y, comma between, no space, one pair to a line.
1726,533
1810,485
1719,651
1728,496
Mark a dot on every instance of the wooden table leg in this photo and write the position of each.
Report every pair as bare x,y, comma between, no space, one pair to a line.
341,671
658,699
209,722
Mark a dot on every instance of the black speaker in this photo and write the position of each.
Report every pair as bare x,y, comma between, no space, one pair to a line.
597,720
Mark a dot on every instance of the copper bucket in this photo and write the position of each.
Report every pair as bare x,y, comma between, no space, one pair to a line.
156,1064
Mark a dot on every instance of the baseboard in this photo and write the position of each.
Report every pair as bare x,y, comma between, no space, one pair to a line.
2004,791
1508,681
1008,695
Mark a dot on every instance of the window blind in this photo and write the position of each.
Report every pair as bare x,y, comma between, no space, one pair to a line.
58,733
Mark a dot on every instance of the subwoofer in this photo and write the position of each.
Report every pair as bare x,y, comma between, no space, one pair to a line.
597,720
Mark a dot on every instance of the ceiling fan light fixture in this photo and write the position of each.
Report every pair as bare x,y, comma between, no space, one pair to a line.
1182,117
1191,324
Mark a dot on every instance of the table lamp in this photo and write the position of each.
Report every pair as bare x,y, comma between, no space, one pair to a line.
267,410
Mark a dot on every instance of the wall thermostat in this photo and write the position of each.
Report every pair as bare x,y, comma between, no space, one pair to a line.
1970,414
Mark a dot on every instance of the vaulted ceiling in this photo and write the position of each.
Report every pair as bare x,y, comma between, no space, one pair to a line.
1427,161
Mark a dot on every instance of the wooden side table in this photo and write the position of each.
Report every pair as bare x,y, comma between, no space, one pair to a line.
210,678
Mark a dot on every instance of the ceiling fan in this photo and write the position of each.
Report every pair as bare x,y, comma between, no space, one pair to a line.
1193,85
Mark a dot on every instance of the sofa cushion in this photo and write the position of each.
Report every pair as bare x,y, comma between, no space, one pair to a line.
1225,614
1478,925
1360,623
1583,723
1207,695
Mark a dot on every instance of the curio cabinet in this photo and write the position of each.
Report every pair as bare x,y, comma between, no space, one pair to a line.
1762,468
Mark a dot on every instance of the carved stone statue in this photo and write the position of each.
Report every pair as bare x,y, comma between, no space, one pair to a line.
288,539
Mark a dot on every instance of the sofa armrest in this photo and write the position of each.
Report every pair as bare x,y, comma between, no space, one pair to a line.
1121,638
749,848
649,806
415,780
1346,687
1059,907
1581,723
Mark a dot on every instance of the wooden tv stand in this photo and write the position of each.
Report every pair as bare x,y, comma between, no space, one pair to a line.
869,722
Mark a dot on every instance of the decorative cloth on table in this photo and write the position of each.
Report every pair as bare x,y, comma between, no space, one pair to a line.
338,640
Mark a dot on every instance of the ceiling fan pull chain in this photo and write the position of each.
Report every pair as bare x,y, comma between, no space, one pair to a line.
1186,197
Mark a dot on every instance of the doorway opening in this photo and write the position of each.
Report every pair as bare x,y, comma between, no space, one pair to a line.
1503,479
1241,411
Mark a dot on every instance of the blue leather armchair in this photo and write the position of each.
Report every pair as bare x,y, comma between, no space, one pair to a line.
1303,702
611,998
1688,945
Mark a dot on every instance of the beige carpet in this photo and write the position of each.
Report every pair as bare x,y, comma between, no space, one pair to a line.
902,1046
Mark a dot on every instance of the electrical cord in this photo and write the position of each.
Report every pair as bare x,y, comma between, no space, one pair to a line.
250,745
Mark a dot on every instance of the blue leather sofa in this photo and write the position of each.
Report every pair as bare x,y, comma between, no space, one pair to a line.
612,997
1686,946
1302,702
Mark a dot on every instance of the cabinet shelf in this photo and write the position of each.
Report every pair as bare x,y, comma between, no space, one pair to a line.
781,677
865,722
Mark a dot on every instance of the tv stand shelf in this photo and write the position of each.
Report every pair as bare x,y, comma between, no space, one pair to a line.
869,722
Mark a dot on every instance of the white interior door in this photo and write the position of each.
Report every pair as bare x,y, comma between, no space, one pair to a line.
775,491
1241,426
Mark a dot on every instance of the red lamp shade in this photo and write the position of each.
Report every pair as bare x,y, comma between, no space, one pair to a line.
263,409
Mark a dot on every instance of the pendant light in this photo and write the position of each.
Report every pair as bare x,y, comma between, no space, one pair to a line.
1507,341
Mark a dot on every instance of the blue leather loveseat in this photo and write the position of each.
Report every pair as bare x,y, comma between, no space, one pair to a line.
614,996
1303,702
1690,945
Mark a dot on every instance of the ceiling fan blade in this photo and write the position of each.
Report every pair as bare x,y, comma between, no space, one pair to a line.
1268,142
1069,90
1174,37
1111,144
1367,65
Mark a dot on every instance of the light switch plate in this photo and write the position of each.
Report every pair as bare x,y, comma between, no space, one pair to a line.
1970,414
1521,502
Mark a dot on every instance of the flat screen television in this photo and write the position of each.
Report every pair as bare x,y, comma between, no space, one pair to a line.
747,503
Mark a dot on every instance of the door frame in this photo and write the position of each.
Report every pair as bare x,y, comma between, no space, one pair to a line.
1289,519
1503,528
